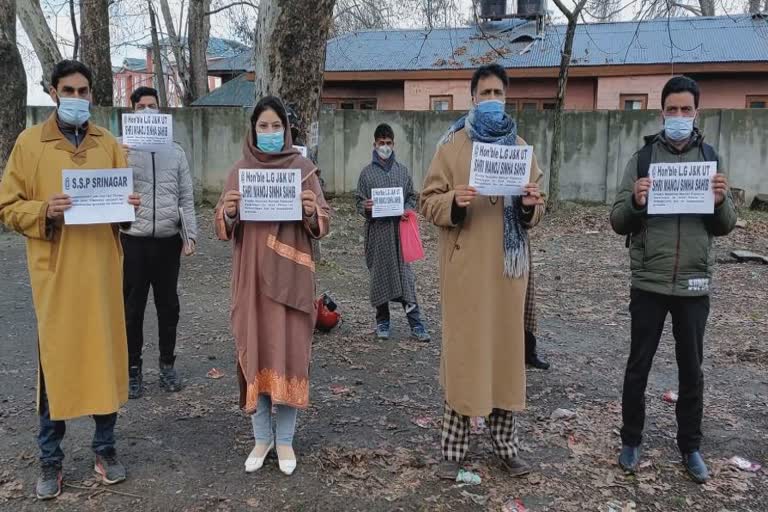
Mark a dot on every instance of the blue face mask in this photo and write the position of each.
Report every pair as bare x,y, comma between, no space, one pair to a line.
678,128
493,109
74,111
270,142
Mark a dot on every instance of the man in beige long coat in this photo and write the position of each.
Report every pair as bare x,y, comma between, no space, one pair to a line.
484,263
76,277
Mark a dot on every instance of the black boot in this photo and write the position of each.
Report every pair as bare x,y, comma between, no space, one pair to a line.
531,358
135,382
169,379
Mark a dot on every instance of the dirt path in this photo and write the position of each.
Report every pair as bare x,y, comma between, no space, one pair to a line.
361,444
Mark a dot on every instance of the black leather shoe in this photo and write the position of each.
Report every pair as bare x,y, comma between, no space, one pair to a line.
695,466
536,362
629,458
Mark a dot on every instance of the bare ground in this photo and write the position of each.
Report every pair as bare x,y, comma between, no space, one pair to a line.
362,444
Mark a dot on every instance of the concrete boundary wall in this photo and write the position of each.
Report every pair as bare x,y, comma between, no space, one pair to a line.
597,144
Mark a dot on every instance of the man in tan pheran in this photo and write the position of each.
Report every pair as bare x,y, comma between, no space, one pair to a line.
76,277
484,263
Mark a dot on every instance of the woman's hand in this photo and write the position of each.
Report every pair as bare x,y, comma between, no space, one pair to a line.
231,203
309,203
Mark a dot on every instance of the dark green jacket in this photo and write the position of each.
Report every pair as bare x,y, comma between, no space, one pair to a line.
670,254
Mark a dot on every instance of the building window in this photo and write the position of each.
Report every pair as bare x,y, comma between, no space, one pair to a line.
633,101
757,101
529,104
441,103
331,104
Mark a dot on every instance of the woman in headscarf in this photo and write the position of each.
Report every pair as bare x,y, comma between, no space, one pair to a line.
273,287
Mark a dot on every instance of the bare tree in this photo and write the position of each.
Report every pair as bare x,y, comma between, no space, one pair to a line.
239,19
553,202
33,20
157,57
179,54
353,15
434,13
670,8
754,6
603,10
290,53
75,35
95,52
13,112
198,32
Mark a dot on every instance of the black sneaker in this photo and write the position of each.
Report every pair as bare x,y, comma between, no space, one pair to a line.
695,466
515,466
49,482
109,469
169,379
535,361
629,458
135,382
448,470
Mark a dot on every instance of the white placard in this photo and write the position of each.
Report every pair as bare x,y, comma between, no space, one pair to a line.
500,170
99,196
184,230
270,194
148,131
387,202
302,150
681,188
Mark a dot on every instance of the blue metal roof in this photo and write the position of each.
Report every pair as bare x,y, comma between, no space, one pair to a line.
238,92
514,44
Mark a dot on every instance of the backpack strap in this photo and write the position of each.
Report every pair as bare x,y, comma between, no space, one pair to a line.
710,154
644,157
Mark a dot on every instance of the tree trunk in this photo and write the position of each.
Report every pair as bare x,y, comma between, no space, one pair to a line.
290,53
178,53
553,202
76,36
707,7
39,33
13,111
198,33
157,58
754,6
95,51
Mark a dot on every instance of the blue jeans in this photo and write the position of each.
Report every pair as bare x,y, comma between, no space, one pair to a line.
52,433
262,422
412,312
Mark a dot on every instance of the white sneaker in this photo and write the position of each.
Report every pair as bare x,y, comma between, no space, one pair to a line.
256,459
286,460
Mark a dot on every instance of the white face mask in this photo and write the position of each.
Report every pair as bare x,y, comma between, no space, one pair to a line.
149,110
384,151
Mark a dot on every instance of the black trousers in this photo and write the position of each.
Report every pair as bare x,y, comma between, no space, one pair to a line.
151,262
689,319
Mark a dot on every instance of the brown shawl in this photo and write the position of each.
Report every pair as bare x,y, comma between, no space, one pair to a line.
286,274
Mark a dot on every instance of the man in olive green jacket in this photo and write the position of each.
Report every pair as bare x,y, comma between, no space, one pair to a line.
672,258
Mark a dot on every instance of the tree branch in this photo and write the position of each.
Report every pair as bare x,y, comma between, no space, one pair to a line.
235,4
688,8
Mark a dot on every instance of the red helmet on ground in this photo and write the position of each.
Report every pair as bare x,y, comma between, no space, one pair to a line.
327,316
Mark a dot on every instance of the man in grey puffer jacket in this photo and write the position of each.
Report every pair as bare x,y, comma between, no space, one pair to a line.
153,247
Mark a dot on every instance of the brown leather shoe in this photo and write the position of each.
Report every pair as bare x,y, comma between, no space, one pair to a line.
516,466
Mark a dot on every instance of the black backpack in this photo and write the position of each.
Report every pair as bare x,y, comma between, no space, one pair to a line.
645,154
